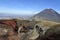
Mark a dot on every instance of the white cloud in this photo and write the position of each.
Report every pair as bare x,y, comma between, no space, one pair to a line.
15,11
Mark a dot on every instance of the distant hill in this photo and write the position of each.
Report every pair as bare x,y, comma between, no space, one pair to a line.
7,15
12,16
47,14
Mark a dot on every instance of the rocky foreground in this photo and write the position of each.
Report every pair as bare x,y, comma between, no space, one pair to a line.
14,29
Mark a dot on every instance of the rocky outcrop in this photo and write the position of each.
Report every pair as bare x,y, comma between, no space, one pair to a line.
52,33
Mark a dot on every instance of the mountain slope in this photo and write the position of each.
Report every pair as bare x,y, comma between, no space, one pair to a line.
47,14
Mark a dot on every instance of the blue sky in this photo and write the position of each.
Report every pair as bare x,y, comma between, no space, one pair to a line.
27,7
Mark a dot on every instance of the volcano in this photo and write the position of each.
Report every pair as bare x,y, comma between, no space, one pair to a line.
47,14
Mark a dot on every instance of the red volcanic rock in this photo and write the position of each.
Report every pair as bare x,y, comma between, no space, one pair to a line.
9,22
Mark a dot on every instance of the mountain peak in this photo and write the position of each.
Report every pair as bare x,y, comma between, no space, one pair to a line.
48,14
48,9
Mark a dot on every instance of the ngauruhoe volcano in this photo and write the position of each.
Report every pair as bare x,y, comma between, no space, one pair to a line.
47,14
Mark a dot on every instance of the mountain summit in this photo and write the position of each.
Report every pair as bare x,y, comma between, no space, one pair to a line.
47,14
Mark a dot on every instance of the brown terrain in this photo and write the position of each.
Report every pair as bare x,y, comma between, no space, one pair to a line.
15,29
9,26
9,29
